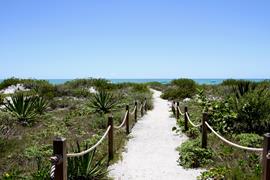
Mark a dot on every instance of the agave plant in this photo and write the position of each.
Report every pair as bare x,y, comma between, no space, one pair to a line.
86,167
103,102
22,107
41,104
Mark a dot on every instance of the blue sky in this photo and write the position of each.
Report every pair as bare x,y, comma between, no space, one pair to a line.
135,38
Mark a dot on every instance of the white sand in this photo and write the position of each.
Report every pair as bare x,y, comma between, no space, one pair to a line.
150,153
13,88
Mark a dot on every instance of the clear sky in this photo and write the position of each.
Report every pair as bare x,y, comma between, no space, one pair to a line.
135,38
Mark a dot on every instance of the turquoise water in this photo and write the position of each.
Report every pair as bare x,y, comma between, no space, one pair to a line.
163,81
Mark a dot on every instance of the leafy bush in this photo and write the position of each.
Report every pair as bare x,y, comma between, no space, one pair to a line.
86,167
217,173
103,102
156,85
8,82
250,140
180,89
140,88
22,107
193,156
252,112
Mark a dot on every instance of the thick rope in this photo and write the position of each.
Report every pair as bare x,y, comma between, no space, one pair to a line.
123,121
194,125
179,110
233,144
133,112
92,148
54,160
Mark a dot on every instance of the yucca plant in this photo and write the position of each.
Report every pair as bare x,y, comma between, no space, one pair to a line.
103,102
86,167
41,104
22,107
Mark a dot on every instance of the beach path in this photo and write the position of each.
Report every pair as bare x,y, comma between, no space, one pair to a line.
151,151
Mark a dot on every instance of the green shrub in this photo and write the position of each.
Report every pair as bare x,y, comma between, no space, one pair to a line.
103,102
140,88
8,82
193,156
86,167
252,112
22,107
250,140
180,89
41,104
217,173
156,85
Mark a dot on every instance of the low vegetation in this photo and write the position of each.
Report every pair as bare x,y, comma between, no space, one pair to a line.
239,111
76,110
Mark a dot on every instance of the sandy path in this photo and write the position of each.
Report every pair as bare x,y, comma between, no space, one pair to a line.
150,153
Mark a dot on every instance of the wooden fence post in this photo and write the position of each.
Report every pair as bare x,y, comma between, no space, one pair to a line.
173,109
110,138
145,105
142,110
186,118
177,111
204,130
59,150
136,110
127,120
266,157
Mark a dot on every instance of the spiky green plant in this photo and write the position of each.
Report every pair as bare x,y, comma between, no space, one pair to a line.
41,104
86,167
22,107
103,102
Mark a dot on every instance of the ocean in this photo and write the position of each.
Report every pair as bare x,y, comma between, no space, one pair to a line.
163,81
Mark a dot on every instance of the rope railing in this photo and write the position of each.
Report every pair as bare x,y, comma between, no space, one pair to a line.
133,112
178,108
58,169
91,148
194,125
123,121
233,144
204,131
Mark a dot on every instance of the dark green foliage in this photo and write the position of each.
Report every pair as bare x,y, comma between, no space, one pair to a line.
217,173
180,89
22,107
140,88
8,82
156,85
243,87
103,102
1,99
249,140
252,112
100,84
193,156
41,104
86,167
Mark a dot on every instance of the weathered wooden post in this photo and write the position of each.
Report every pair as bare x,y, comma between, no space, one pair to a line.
173,109
145,105
127,119
177,110
60,151
136,111
110,138
186,118
266,157
204,130
142,109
